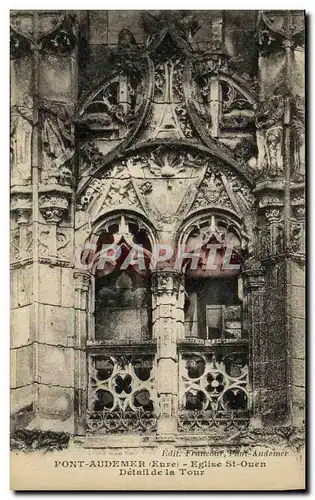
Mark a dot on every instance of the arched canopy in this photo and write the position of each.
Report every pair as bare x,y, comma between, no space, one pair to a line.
214,244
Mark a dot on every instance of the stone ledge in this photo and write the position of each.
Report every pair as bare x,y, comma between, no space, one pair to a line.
286,437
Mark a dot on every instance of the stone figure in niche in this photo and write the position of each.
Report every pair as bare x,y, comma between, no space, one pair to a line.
298,131
58,147
269,118
21,139
273,145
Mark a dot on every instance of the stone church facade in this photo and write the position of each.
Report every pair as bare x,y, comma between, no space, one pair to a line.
161,129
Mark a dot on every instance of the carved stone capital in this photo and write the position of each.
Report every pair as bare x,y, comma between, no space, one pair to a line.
81,281
54,207
21,207
165,281
273,214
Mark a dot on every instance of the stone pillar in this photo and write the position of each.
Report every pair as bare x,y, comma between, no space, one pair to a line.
82,283
281,143
165,313
296,306
54,311
22,119
253,305
22,376
44,93
270,251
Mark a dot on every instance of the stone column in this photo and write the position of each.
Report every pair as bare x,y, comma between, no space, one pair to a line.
253,279
281,63
296,307
44,94
22,120
273,350
82,282
165,294
22,377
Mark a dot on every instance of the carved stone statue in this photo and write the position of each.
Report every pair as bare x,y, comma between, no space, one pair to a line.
273,151
58,150
298,132
269,116
21,128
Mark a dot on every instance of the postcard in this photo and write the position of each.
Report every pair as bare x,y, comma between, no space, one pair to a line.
157,250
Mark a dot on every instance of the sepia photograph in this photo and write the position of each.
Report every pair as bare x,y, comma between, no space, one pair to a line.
157,250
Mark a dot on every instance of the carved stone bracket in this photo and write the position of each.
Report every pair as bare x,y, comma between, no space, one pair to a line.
54,204
270,232
21,207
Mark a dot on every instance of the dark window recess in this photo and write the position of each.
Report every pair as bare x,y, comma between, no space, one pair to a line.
212,308
122,307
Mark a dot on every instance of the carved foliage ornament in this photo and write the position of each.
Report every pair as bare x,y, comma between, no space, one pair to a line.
121,193
297,237
270,112
92,192
21,244
21,207
91,156
167,162
54,242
